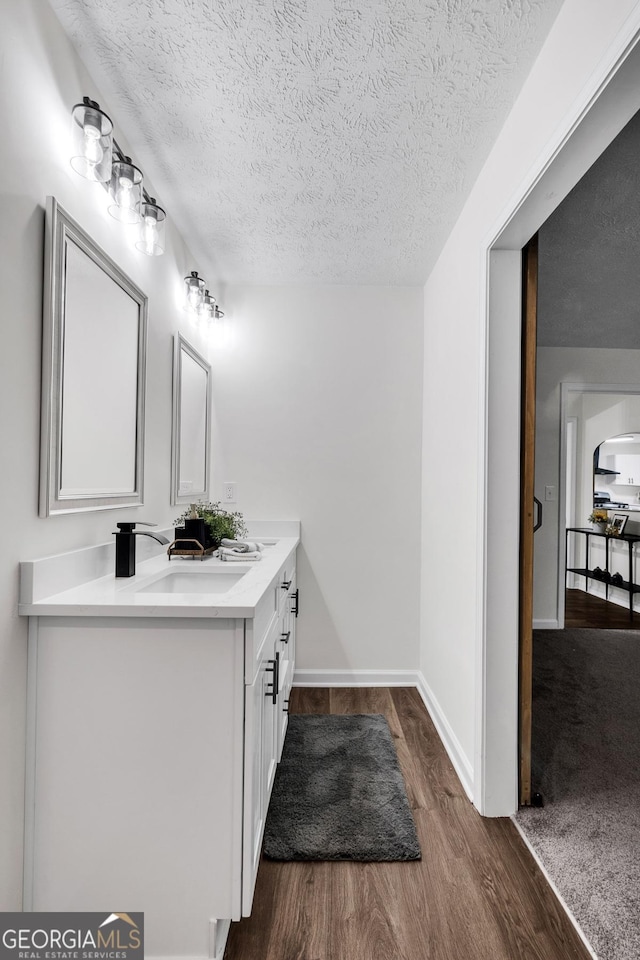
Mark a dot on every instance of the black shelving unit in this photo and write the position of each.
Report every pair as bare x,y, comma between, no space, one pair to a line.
630,539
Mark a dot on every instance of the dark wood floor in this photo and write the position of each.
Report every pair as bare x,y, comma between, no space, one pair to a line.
477,894
584,610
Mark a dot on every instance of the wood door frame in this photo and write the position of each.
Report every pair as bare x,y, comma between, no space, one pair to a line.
602,109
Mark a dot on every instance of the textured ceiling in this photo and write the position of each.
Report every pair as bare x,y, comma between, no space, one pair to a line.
589,273
310,140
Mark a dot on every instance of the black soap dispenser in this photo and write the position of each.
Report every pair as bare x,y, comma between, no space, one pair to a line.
195,527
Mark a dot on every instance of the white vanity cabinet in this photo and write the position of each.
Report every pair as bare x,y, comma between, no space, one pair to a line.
154,742
267,697
286,646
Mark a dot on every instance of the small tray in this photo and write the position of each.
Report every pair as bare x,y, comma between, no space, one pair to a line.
195,551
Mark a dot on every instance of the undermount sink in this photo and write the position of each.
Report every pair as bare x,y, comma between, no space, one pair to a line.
190,581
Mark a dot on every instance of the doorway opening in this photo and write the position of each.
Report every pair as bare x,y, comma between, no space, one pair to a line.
602,121
599,457
595,125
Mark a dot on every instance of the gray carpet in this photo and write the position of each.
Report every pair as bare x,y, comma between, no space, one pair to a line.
586,764
339,793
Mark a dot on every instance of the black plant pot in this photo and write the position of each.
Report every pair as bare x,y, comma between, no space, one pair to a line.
196,529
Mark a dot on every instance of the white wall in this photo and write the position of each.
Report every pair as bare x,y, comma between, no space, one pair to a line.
40,80
555,366
453,656
318,416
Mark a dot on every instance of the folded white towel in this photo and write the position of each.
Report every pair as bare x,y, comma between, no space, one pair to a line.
226,554
242,546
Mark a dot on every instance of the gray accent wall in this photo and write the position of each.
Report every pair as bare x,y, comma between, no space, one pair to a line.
589,268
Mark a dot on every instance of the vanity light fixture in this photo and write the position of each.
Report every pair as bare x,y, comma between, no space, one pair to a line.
199,302
97,156
92,142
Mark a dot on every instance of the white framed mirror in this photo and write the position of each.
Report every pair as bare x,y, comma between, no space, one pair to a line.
93,375
191,428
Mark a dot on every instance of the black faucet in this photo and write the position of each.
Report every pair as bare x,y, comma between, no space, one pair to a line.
126,546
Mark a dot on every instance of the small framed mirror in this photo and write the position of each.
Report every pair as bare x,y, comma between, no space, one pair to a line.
93,375
191,433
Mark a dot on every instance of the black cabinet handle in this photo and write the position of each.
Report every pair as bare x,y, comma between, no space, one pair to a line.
296,602
285,636
275,670
285,708
285,584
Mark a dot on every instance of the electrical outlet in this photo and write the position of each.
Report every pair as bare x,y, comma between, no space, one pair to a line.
229,492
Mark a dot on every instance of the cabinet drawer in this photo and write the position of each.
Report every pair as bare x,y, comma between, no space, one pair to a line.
286,579
257,633
275,603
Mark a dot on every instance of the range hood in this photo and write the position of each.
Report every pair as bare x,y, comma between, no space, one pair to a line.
602,471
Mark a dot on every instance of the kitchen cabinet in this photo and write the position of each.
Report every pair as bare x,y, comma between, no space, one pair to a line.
628,467
153,747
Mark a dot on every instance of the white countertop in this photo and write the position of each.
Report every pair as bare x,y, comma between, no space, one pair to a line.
106,596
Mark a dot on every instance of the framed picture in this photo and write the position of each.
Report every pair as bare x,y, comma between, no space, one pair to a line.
618,523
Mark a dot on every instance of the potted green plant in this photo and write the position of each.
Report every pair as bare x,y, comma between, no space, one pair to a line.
219,523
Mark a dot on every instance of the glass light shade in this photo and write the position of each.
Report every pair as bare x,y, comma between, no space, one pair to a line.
207,307
194,291
125,190
91,141
219,329
152,224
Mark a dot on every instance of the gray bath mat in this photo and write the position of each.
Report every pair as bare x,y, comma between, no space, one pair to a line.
339,793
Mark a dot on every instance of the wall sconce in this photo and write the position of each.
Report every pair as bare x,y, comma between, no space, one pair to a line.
194,291
91,140
125,190
207,307
152,224
95,155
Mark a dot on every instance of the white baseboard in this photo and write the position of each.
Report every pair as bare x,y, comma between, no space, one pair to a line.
355,678
546,625
559,896
461,763
398,678
619,597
